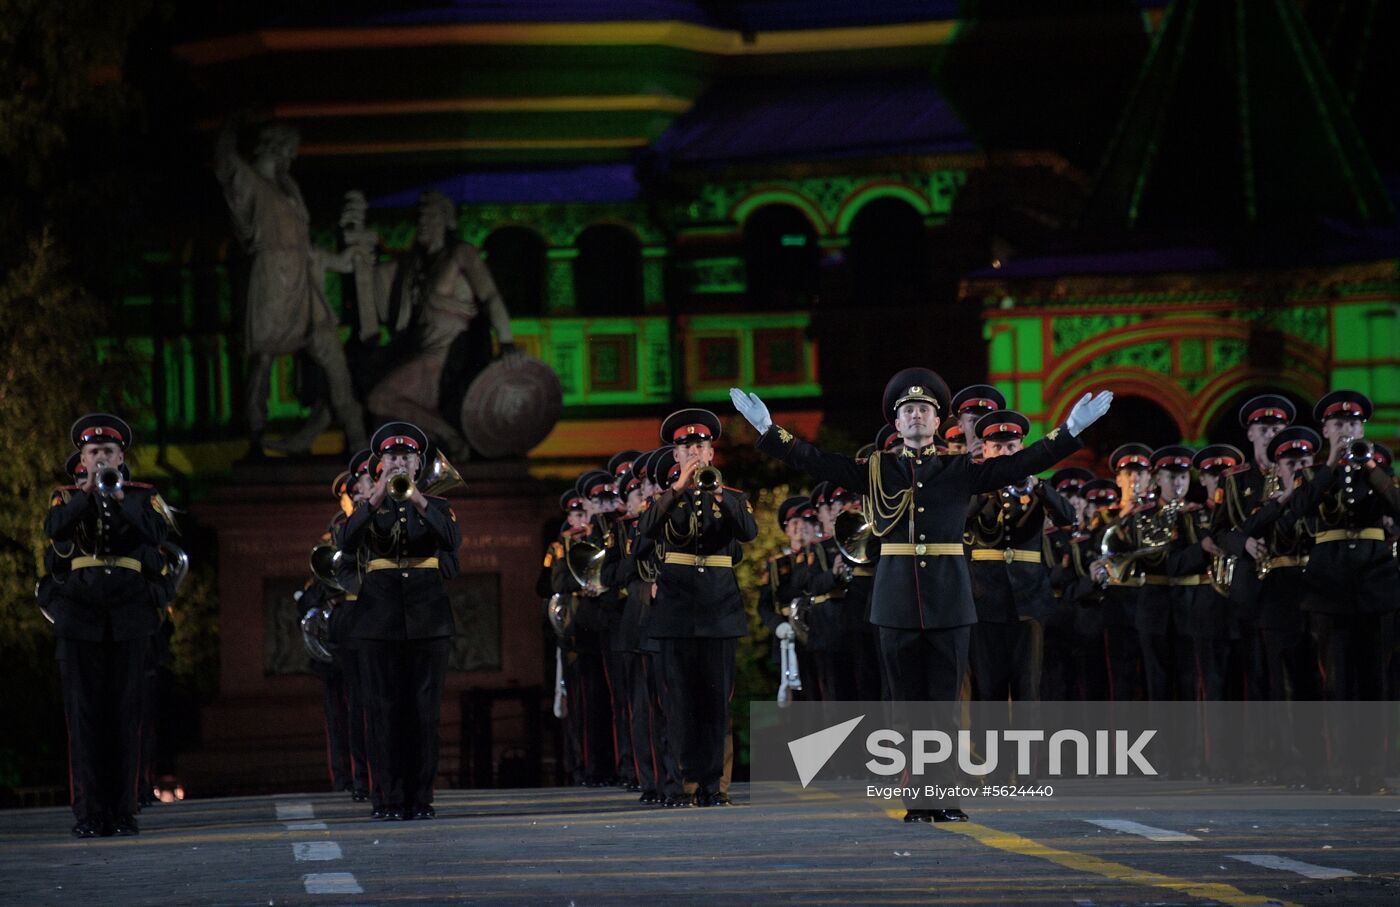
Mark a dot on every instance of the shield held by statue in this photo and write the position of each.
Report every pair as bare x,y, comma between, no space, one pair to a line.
511,406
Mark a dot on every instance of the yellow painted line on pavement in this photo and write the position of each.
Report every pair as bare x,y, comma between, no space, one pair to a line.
1018,844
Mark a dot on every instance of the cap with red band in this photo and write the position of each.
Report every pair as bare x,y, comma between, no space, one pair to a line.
1173,456
1343,404
978,398
399,437
687,426
101,428
1267,409
1215,458
1003,425
1297,441
1130,455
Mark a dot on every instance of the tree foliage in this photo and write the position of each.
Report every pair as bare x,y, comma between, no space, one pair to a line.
63,108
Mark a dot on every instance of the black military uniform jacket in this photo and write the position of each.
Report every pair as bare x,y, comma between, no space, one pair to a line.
695,600
620,573
1357,574
919,498
403,602
110,601
343,604
835,615
1209,615
1287,594
1161,605
1009,590
787,577
593,614
1243,489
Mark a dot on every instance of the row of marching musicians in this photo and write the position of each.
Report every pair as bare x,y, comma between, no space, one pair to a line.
1278,585
378,621
647,611
1282,584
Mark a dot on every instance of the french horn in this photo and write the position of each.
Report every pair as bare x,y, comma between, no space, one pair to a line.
852,532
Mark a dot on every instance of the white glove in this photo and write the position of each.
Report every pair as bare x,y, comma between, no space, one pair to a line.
1087,411
752,409
784,631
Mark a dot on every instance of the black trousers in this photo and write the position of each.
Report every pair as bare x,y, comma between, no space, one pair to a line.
1352,649
1006,660
615,675
573,755
403,686
345,724
645,715
594,702
1124,658
927,666
699,683
104,689
358,721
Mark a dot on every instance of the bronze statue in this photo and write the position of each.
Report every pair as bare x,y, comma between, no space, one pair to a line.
286,309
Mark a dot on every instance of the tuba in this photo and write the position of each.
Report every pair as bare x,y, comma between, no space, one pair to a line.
585,562
852,532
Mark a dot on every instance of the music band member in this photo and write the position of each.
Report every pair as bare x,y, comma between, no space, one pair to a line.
105,615
406,543
698,611
922,594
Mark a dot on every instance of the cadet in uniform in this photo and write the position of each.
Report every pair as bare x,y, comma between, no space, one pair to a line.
1010,582
105,614
969,405
407,548
1284,600
1244,489
565,624
1059,677
922,595
1131,467
698,612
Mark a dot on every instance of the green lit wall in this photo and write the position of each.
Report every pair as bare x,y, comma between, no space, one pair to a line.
1192,343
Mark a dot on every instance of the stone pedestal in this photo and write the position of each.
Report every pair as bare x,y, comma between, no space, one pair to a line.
265,730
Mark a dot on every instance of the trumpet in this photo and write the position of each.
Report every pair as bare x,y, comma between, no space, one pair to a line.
708,478
401,486
109,480
1356,450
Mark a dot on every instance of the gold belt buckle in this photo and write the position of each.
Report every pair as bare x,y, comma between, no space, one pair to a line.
1009,555
920,549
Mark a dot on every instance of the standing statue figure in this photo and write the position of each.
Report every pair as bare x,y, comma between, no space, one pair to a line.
286,304
436,291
